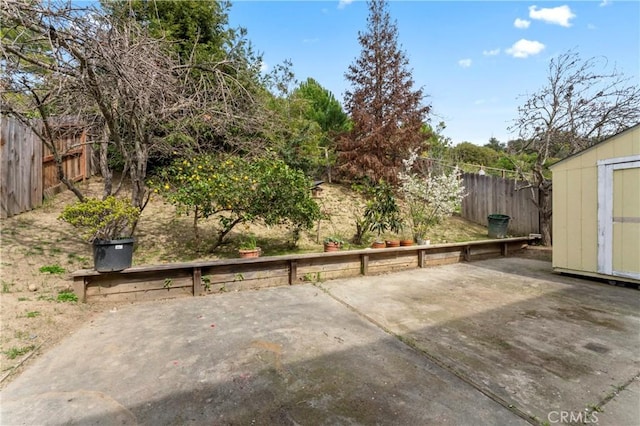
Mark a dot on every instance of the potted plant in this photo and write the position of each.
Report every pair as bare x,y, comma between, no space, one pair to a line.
108,224
332,244
382,213
248,247
406,241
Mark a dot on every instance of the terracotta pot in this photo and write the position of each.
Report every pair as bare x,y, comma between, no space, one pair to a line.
392,243
406,243
378,244
331,247
245,253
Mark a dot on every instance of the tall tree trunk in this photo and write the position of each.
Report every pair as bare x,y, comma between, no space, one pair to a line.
105,171
138,172
545,209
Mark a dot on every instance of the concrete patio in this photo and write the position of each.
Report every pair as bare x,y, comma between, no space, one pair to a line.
499,342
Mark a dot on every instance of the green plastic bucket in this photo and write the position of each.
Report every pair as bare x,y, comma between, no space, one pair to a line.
498,224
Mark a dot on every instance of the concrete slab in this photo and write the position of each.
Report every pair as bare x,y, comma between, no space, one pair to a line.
289,355
541,343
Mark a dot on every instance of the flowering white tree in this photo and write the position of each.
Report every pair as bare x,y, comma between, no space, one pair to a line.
430,198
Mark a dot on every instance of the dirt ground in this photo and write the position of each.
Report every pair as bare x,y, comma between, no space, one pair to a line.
38,252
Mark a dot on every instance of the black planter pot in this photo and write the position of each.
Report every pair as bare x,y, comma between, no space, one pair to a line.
112,255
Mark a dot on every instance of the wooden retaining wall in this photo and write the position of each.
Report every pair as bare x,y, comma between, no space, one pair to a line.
150,282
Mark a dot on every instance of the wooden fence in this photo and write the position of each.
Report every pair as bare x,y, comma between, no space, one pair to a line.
27,169
494,195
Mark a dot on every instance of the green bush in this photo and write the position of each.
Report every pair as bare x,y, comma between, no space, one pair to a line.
108,219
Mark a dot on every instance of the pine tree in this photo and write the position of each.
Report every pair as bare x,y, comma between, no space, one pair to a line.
386,111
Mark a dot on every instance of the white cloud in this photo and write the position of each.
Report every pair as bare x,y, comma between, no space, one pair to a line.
344,3
464,63
560,15
605,3
524,48
521,23
591,27
492,52
264,67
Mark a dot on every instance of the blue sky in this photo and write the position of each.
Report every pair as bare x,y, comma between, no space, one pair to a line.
474,59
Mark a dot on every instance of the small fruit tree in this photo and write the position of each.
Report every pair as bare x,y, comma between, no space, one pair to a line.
431,198
237,190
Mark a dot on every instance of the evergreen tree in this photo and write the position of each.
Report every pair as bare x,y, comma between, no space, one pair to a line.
386,111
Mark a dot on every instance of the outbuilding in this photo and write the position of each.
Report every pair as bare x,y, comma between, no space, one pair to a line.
596,210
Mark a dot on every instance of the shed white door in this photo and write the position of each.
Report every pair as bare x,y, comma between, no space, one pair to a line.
619,217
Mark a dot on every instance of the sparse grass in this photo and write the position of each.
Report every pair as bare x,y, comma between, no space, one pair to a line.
75,258
20,334
67,296
32,314
23,299
6,286
14,352
54,251
52,269
46,297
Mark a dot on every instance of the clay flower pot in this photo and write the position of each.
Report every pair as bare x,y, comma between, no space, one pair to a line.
331,247
246,253
406,243
378,244
392,243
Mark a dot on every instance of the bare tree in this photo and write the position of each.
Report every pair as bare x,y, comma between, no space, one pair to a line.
581,104
387,112
62,60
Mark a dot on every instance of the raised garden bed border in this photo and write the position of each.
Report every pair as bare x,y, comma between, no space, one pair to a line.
149,282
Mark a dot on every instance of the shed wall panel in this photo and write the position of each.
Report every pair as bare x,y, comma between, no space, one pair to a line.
575,206
559,218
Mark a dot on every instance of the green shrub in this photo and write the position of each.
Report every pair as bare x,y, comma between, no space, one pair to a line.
108,219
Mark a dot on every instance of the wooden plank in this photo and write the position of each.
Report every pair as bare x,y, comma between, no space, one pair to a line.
320,273
421,255
364,264
140,296
80,289
112,283
293,271
215,276
328,264
466,253
93,288
197,282
248,284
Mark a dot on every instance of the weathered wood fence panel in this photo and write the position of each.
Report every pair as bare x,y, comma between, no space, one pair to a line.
27,169
20,168
71,144
494,195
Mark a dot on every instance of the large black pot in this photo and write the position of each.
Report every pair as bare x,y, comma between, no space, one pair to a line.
112,255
